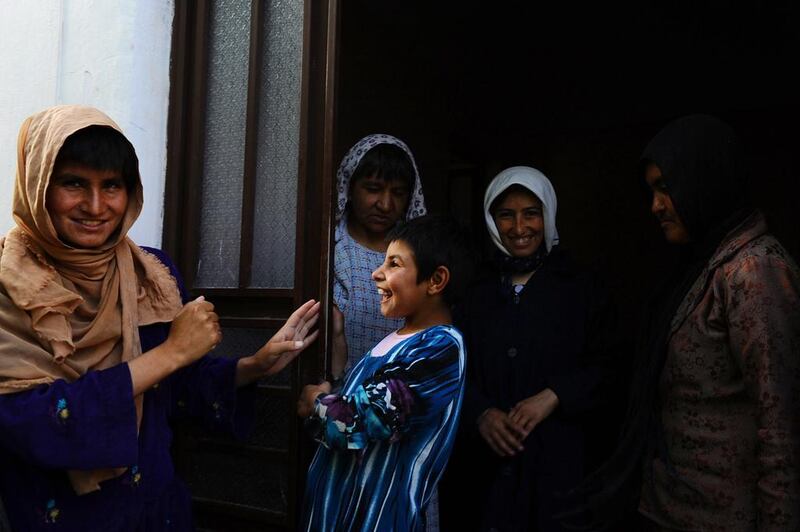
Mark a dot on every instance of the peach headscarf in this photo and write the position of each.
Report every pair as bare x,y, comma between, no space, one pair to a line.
65,311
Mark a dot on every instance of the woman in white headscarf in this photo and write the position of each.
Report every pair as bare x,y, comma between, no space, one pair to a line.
536,335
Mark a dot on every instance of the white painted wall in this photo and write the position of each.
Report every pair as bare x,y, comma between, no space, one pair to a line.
112,54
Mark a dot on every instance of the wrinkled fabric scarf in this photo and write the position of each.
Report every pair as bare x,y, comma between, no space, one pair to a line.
65,311
700,162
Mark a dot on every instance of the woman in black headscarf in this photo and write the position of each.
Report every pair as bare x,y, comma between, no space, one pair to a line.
712,435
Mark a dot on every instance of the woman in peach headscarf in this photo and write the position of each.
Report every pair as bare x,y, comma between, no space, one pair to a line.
97,349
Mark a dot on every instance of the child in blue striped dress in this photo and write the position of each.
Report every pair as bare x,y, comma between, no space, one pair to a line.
386,436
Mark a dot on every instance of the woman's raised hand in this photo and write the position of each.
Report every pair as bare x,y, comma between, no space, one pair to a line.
291,339
194,331
283,347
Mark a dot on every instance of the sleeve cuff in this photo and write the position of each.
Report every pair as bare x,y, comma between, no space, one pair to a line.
241,400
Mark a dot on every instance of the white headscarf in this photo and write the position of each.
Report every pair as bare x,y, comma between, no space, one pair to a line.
533,180
416,202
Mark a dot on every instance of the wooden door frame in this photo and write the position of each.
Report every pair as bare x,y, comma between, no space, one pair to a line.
316,169
314,201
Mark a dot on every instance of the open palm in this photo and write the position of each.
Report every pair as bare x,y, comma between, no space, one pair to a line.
291,339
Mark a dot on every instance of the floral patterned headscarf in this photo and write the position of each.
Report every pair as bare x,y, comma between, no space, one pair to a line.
416,203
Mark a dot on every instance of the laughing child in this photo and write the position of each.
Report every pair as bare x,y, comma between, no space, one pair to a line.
386,437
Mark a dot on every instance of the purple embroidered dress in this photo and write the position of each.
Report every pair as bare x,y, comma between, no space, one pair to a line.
91,424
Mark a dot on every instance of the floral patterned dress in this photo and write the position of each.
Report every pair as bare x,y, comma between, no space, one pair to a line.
730,395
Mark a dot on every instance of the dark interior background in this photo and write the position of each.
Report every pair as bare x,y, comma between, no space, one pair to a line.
576,91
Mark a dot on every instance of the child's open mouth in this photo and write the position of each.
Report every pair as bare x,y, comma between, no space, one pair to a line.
385,294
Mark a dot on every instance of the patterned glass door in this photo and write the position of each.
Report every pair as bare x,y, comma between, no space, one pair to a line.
247,218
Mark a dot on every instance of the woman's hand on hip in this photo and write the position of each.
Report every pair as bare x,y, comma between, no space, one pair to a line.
500,432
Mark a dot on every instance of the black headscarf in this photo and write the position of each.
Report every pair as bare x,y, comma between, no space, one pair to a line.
701,164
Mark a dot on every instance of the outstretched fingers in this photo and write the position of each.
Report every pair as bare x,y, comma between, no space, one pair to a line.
308,340
287,351
294,347
302,332
304,312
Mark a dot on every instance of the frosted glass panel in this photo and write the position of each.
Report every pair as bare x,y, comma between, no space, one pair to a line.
223,154
278,141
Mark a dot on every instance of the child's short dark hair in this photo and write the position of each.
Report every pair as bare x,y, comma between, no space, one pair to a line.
102,148
438,240
388,162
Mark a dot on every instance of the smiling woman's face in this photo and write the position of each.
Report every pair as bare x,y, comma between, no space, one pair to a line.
86,205
520,222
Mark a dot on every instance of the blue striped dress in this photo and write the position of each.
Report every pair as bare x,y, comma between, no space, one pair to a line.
385,439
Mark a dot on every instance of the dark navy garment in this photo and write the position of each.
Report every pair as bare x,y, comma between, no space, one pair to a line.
557,333
91,424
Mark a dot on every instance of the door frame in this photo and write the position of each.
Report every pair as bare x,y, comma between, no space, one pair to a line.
243,307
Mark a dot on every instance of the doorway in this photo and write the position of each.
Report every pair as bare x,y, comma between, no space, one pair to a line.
575,91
